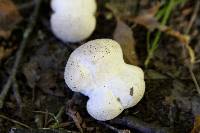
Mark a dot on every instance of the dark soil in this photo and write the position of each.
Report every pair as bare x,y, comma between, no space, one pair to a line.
171,102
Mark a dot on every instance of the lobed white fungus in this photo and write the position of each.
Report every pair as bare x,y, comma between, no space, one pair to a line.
97,70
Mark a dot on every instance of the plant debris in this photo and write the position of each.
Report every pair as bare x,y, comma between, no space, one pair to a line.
35,98
124,36
196,128
5,52
43,69
9,17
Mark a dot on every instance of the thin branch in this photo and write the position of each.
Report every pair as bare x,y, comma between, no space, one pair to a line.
26,5
134,123
74,114
193,18
60,113
14,121
42,130
20,52
197,61
190,67
190,50
50,114
113,128
16,93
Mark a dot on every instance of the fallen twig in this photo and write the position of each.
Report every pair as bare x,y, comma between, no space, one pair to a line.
193,18
134,123
163,28
190,67
58,118
26,5
113,128
44,130
16,93
76,118
14,121
197,61
20,52
74,114
50,114
60,113
190,50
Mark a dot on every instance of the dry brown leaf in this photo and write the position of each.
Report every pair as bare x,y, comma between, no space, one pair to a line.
196,128
122,7
124,36
9,17
5,52
76,118
147,19
31,74
71,111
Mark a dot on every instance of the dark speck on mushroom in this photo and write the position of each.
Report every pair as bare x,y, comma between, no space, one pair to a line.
131,91
118,99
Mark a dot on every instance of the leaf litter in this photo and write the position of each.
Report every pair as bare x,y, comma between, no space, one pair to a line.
174,99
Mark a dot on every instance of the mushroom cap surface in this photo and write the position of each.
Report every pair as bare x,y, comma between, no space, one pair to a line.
97,70
74,6
73,20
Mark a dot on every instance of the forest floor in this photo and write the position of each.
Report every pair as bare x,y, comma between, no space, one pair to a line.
162,37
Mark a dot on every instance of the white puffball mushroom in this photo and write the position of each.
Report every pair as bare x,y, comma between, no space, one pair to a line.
97,70
73,20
